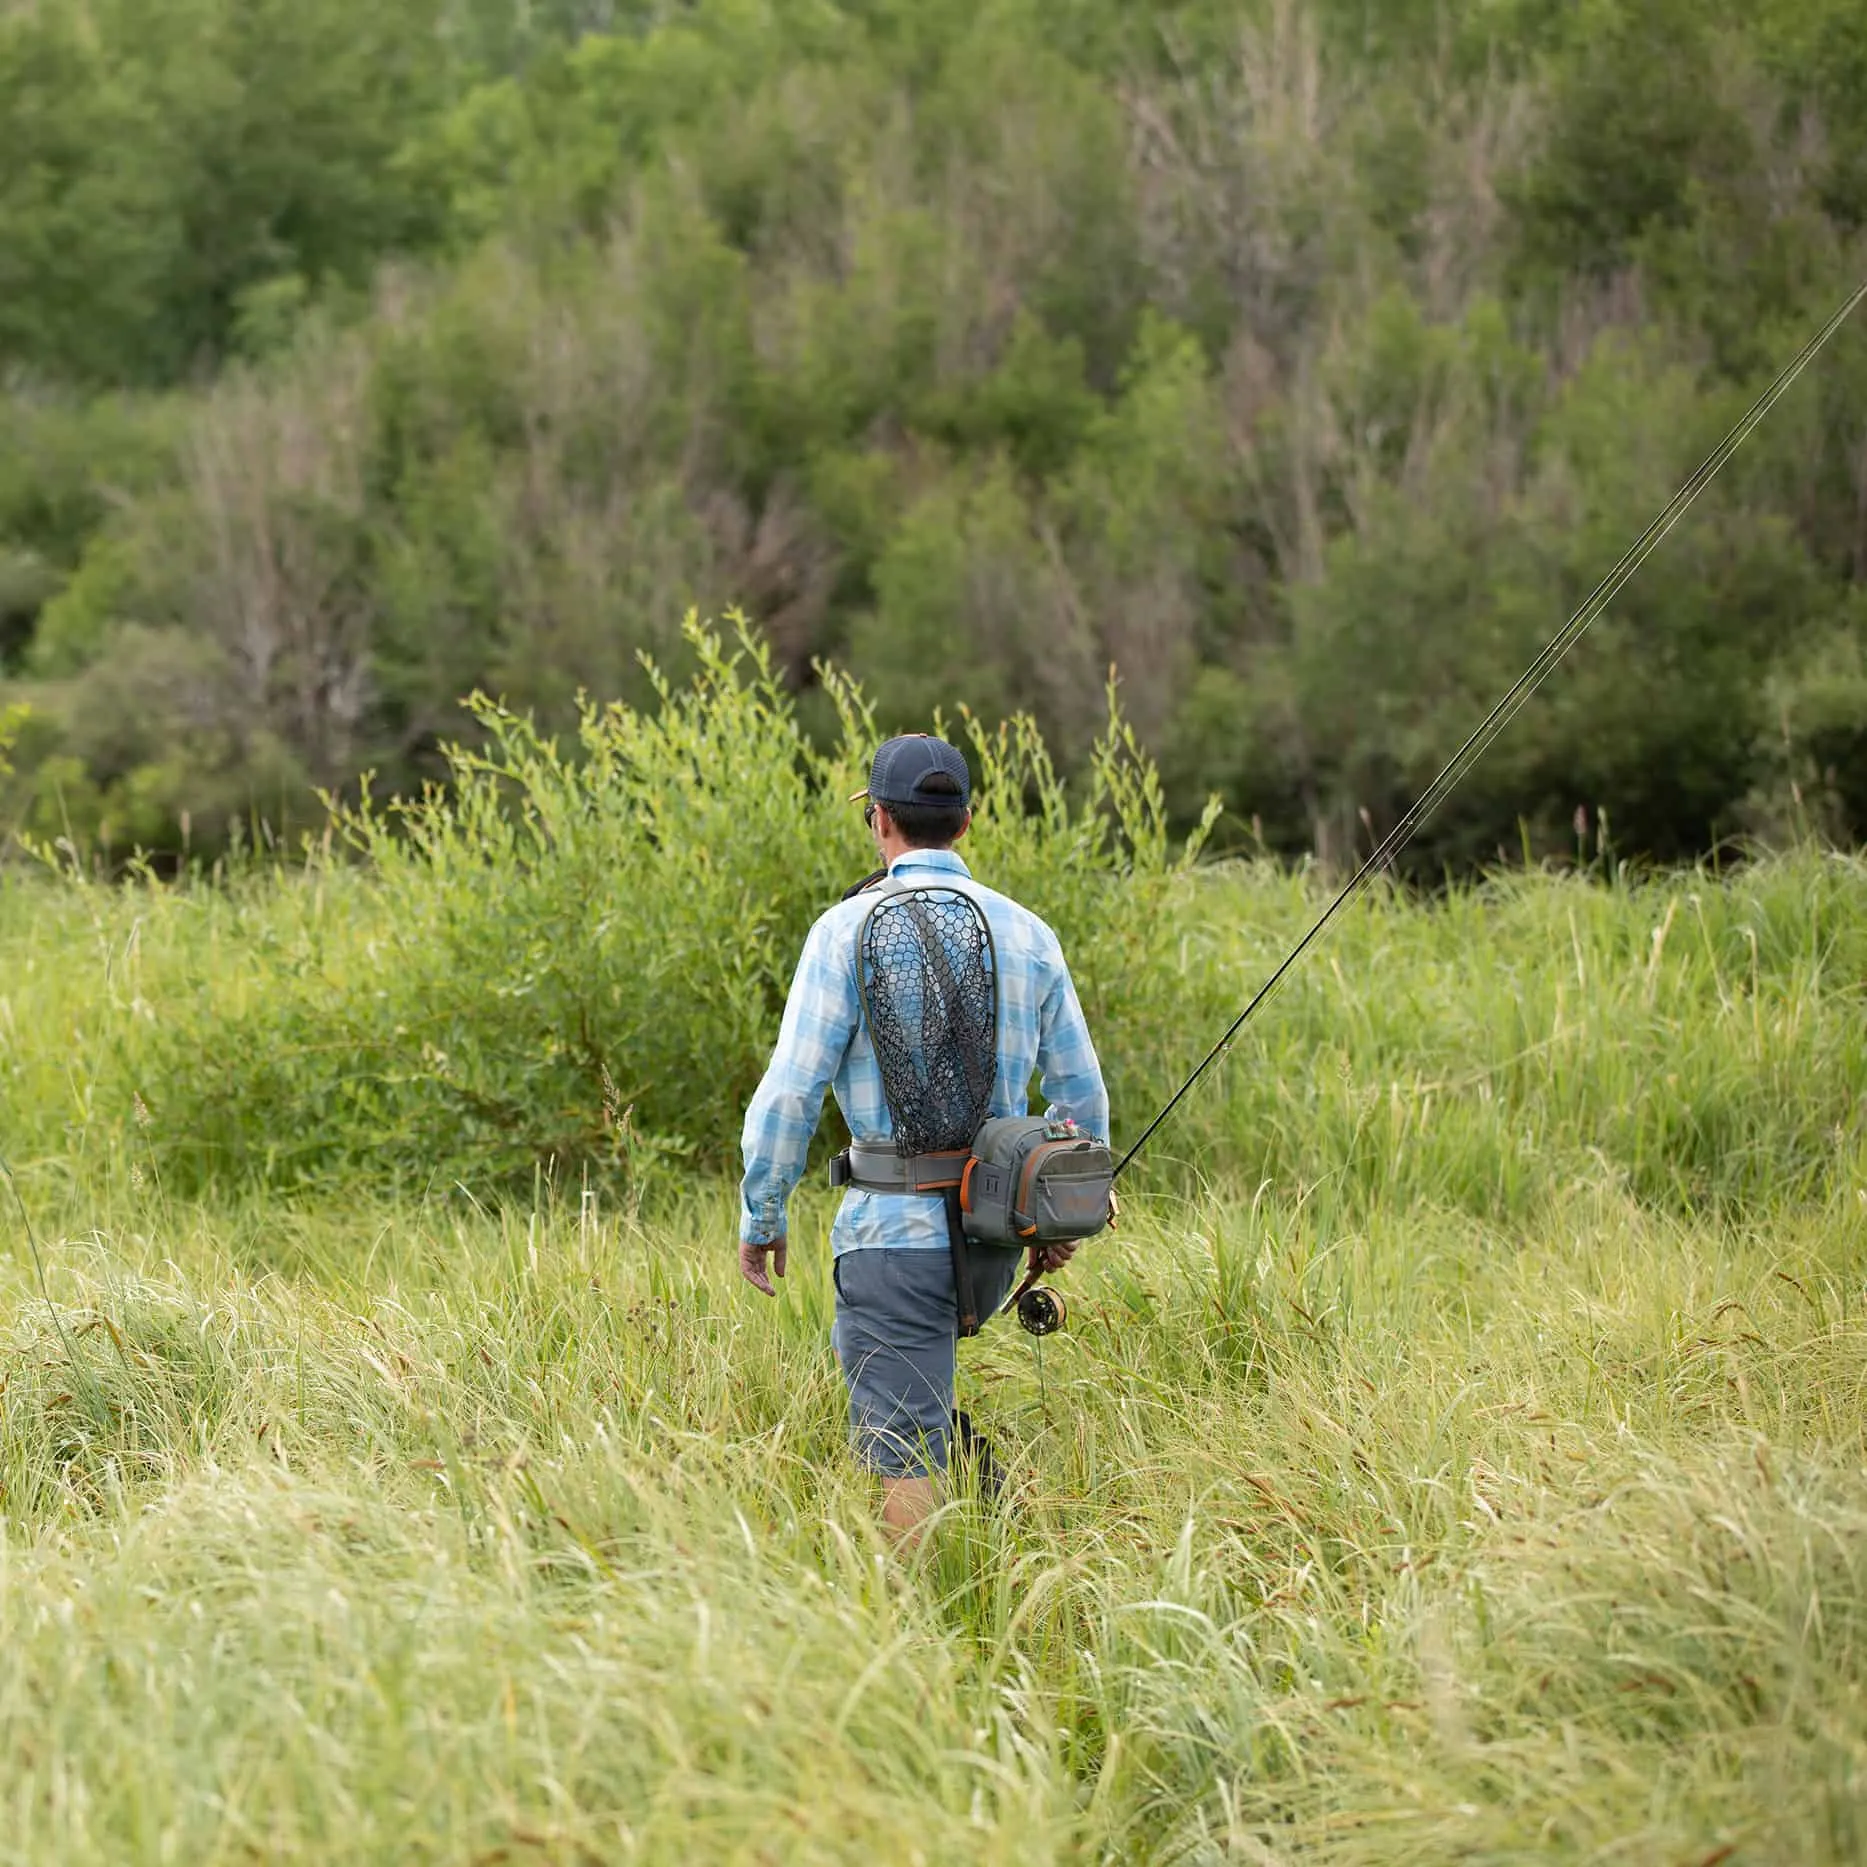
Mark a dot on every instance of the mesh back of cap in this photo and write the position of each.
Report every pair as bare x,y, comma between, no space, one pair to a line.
929,983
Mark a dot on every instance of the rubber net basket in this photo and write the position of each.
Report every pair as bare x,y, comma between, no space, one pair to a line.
929,985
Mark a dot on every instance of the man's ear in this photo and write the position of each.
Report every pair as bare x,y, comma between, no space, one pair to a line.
965,825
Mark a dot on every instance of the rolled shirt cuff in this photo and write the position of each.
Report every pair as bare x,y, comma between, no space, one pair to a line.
757,1228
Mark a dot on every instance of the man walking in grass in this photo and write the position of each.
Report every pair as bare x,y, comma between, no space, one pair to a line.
897,1314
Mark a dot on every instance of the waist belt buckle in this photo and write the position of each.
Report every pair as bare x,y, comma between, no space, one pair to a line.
841,1173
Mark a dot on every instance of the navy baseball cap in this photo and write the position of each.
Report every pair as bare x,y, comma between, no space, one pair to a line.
903,765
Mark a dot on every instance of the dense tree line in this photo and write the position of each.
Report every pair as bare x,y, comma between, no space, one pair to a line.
1305,360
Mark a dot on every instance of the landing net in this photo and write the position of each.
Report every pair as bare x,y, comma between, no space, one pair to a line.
929,986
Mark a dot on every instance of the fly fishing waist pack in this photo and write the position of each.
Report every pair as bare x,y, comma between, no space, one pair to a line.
1025,1180
927,976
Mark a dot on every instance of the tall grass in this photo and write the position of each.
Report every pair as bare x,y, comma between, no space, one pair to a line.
1457,1456
531,1537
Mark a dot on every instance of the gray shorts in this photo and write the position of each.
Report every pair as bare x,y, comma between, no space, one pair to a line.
897,1335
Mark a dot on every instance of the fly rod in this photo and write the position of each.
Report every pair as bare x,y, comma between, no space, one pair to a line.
1527,683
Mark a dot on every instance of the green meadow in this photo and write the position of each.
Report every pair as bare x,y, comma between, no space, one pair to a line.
1458,1454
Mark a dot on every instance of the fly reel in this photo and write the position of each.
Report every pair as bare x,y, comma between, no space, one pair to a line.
1040,1310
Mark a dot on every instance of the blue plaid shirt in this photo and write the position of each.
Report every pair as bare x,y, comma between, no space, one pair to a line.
822,1044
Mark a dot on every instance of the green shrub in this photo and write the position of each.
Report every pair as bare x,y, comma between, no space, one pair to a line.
571,960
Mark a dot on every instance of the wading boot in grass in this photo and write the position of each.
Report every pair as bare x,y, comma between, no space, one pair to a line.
970,1454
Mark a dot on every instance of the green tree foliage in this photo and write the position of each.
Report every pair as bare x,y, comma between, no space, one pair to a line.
1304,362
90,228
164,161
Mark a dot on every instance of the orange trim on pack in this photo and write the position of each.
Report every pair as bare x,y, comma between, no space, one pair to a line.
965,1184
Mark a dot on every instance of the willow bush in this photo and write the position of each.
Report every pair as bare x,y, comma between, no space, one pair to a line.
571,957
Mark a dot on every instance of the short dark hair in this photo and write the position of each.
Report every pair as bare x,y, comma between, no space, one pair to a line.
931,826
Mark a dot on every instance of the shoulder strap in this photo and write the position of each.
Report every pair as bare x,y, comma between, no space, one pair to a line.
862,887
885,887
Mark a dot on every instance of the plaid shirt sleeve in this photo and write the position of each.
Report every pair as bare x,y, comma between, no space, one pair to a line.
1071,1072
821,1016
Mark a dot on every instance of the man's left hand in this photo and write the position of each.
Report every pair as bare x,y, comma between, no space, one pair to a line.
1054,1257
752,1264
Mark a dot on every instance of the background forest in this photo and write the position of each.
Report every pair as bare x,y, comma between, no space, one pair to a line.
1306,360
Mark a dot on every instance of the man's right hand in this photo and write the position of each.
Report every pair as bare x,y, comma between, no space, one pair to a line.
752,1264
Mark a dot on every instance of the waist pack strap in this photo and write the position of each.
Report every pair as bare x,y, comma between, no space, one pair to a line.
882,1170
